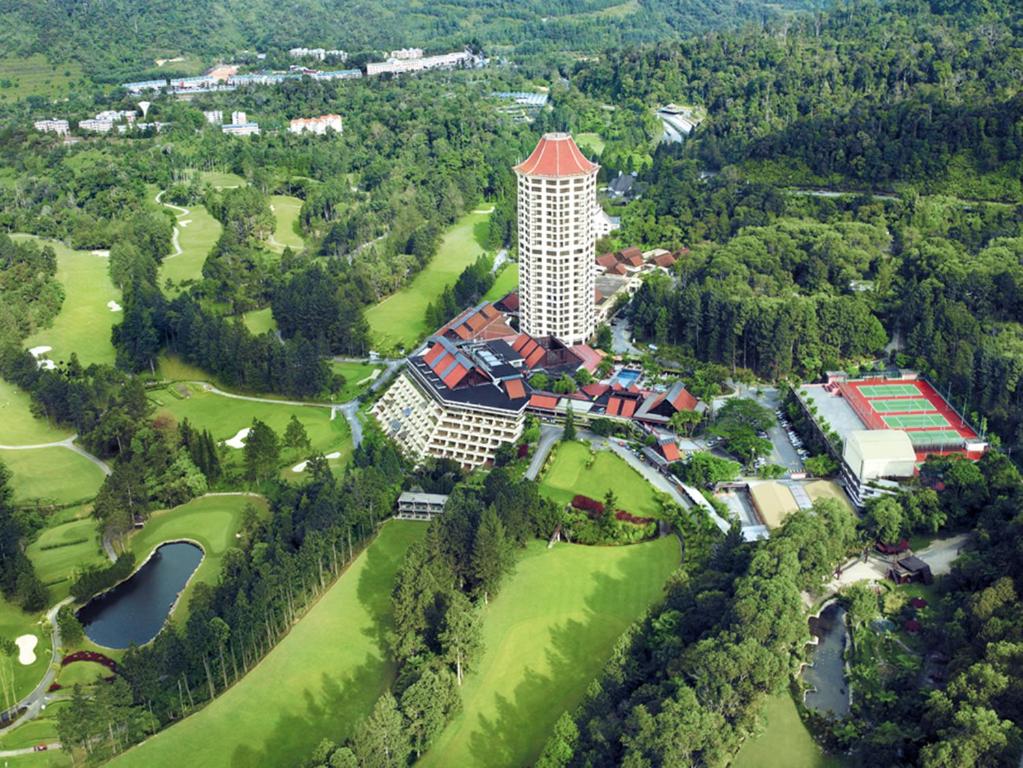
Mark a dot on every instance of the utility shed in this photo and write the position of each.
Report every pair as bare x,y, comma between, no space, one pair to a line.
877,453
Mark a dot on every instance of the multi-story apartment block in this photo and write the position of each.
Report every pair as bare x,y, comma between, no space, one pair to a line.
59,127
557,200
318,125
96,126
214,116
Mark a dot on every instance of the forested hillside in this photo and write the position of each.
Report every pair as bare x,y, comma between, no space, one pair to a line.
115,38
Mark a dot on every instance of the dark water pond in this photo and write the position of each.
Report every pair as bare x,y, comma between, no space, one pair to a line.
135,610
827,674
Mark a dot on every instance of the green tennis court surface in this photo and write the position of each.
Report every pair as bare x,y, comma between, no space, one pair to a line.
903,405
916,420
934,437
889,390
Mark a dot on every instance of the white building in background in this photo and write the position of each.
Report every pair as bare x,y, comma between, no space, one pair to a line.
240,125
557,201
214,116
117,115
319,54
397,65
318,125
95,125
404,54
239,118
59,127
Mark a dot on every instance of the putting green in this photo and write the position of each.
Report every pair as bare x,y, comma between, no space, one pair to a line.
221,179
60,551
196,239
259,321
785,742
356,378
17,424
84,322
400,319
52,475
546,636
568,475
506,282
82,673
286,209
317,683
225,416
209,521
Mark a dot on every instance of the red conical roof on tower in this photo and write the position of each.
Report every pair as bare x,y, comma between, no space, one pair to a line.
556,154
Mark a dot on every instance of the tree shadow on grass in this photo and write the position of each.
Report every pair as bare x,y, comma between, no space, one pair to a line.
577,652
481,232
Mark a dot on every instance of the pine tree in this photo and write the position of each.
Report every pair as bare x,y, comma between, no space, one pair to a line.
461,636
569,433
427,704
492,554
381,740
295,435
262,451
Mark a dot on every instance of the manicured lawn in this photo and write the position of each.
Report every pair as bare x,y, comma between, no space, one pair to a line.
286,210
354,373
14,622
506,282
52,759
568,476
84,323
210,521
590,143
400,319
785,742
546,636
317,683
17,424
225,416
35,76
173,368
259,321
52,475
196,239
221,179
82,673
41,730
56,565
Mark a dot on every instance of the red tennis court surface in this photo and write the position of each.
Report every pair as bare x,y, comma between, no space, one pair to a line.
912,391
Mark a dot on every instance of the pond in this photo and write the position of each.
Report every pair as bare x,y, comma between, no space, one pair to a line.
135,610
826,674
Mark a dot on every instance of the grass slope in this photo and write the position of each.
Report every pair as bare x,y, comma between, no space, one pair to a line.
17,424
84,323
286,209
23,76
210,521
591,143
399,320
354,373
52,475
317,683
14,622
546,637
568,475
259,321
43,729
61,550
506,282
785,742
196,239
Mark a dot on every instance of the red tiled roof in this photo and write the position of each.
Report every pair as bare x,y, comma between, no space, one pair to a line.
488,311
607,260
595,390
670,451
556,154
543,401
514,388
441,363
664,260
618,269
461,331
510,302
613,405
628,408
628,254
520,342
535,356
591,357
455,377
433,354
685,402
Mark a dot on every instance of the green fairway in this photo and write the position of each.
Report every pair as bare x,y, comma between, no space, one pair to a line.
916,420
785,742
52,475
286,210
84,323
400,319
317,683
209,521
23,76
357,378
221,179
568,476
590,143
14,622
82,673
506,282
17,424
224,417
546,636
196,238
60,551
903,405
259,321
41,730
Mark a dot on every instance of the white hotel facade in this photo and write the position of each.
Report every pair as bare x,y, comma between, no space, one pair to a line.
557,199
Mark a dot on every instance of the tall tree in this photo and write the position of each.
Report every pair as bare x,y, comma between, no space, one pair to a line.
262,451
382,740
492,554
461,636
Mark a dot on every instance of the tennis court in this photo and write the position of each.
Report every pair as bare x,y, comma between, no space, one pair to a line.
903,405
888,390
933,437
916,421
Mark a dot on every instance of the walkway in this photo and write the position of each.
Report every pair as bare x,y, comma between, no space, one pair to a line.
175,241
69,443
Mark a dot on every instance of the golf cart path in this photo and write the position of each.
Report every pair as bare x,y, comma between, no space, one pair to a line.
175,241
69,443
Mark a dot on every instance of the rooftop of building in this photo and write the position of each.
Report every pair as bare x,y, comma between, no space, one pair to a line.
556,156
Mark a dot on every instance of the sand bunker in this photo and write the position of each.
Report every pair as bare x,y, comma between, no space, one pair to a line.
370,378
27,649
102,254
184,222
113,306
238,441
37,351
334,455
46,365
300,467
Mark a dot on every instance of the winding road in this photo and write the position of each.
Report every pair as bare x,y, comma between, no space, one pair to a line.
175,241
69,443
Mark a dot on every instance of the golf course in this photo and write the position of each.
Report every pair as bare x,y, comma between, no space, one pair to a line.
316,683
64,548
197,234
52,475
507,281
546,636
568,474
400,319
91,308
785,741
286,234
20,426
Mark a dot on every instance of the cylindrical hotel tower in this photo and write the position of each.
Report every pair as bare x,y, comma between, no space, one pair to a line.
557,240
